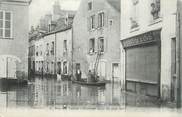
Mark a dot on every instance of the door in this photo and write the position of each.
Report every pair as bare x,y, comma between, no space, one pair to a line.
59,67
11,68
115,71
102,70
65,68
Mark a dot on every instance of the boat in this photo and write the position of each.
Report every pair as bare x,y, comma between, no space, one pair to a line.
61,77
99,83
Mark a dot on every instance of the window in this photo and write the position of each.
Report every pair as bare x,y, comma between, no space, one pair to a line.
91,45
155,9
40,50
52,48
5,24
47,69
110,22
65,45
49,27
37,53
101,19
77,66
101,45
92,22
65,69
135,14
90,6
47,49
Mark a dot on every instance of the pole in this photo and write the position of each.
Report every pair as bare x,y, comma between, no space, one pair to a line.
178,63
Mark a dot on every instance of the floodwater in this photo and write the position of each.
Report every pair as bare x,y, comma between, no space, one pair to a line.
47,93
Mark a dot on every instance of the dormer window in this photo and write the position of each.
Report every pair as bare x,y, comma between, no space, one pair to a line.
155,9
90,6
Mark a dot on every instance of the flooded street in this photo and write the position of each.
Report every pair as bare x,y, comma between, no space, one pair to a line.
47,93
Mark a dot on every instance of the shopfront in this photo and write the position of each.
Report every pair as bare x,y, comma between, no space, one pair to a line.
142,63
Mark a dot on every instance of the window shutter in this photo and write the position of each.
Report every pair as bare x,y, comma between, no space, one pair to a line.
1,23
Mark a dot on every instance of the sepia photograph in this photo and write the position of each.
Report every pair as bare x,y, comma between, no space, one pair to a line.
90,58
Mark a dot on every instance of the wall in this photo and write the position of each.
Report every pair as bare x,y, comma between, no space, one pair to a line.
167,25
18,46
81,36
67,56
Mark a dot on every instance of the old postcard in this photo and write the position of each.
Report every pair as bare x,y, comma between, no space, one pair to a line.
90,58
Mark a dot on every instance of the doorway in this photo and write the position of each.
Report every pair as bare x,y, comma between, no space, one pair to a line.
115,72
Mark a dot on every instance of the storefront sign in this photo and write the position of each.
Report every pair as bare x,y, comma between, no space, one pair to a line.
148,37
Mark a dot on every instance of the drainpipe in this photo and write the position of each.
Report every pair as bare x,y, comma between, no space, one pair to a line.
55,70
178,62
72,50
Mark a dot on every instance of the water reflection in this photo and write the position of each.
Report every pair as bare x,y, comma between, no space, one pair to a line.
50,93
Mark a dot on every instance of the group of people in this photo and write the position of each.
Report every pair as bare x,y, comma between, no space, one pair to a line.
91,76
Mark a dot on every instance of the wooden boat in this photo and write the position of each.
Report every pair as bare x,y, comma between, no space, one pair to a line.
99,83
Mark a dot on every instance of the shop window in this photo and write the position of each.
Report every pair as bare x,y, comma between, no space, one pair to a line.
101,19
135,14
5,24
155,9
91,45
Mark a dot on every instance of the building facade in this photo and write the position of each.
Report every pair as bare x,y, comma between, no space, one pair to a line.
52,53
14,38
51,43
96,30
148,45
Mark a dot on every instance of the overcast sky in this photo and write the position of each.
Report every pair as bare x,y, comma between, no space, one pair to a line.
39,8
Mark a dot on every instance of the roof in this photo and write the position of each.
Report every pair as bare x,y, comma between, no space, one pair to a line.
60,30
19,1
115,4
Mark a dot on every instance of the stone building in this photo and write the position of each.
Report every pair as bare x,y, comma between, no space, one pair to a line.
14,38
96,29
148,45
51,43
53,53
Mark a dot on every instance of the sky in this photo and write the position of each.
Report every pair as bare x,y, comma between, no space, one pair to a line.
39,8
